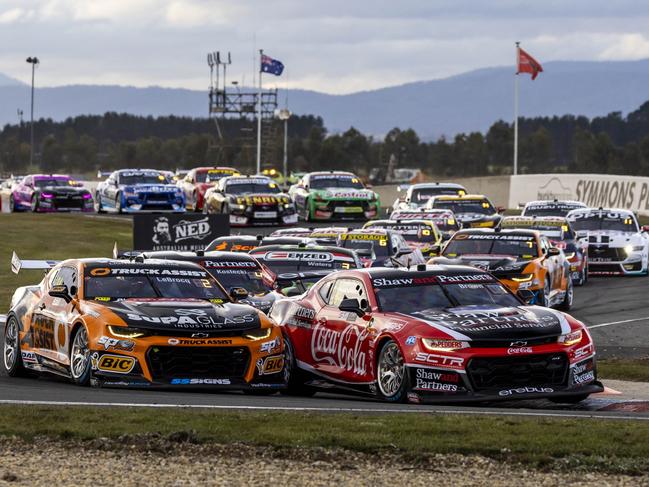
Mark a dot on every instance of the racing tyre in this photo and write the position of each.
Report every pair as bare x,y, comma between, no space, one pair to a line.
195,208
80,357
34,204
11,355
12,204
294,376
99,207
307,211
544,296
566,304
391,374
118,203
569,399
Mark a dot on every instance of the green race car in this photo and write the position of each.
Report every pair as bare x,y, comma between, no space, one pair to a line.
334,195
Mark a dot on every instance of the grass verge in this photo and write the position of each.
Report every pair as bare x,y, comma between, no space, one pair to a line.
42,236
636,370
608,446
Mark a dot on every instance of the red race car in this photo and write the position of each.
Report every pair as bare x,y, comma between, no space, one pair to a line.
199,180
432,334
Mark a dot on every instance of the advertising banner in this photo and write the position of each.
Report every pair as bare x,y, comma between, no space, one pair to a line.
177,231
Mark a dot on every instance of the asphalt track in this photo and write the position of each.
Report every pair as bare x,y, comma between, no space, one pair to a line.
615,310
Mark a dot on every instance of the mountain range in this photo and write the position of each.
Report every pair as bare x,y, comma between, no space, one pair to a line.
467,102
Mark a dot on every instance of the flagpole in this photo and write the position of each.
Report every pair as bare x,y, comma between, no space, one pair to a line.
516,111
261,53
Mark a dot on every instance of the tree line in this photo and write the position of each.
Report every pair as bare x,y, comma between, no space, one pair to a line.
613,144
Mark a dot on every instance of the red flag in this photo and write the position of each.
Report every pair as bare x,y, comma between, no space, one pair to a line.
527,64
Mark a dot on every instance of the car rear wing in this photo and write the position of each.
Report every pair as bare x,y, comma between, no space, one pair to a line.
125,254
17,264
103,174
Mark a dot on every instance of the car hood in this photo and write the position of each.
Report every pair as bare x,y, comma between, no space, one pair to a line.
63,190
496,323
260,199
185,315
471,217
613,237
492,263
346,193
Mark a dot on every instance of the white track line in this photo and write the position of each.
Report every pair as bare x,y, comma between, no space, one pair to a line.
646,318
585,414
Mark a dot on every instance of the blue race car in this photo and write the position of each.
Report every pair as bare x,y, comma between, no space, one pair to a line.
138,190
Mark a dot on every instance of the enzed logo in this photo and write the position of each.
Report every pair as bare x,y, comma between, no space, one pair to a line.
116,364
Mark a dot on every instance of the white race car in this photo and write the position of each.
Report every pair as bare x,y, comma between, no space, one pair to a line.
617,245
417,195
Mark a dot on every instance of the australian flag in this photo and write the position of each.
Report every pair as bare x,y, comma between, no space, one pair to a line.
270,65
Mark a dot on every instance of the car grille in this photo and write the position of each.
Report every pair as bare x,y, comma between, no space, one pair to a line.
529,342
613,254
486,373
167,363
608,268
71,201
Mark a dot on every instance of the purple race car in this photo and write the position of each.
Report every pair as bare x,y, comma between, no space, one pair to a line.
49,193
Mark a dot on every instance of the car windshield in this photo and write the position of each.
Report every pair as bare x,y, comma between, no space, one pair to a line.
251,281
374,249
621,222
549,210
411,232
419,298
421,196
115,287
49,182
520,246
212,175
480,207
133,178
338,181
252,187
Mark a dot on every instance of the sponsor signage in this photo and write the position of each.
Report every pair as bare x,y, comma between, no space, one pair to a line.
180,232
595,190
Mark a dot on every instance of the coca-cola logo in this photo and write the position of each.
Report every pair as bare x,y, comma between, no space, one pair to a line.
343,350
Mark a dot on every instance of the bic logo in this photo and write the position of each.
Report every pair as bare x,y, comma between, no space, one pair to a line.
116,364
271,365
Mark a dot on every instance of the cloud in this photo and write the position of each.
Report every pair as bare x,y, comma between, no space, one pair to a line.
14,15
627,46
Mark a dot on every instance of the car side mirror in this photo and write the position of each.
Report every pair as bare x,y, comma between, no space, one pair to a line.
553,251
645,228
500,209
402,252
62,292
368,186
526,295
435,249
238,293
351,306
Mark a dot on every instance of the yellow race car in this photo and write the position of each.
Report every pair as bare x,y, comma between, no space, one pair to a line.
523,260
153,323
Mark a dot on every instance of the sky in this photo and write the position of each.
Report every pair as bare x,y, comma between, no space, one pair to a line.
333,46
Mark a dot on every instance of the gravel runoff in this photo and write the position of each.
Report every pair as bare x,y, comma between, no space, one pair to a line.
180,461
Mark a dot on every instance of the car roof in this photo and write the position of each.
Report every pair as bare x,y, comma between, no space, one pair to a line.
325,173
578,211
504,231
430,269
436,185
368,231
534,218
452,197
247,176
555,203
215,255
302,248
397,221
212,168
148,263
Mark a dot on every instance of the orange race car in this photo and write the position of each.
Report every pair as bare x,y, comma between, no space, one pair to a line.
523,260
125,323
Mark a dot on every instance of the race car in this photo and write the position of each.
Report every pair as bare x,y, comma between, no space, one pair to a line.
617,245
334,195
444,220
138,323
49,193
561,235
417,195
250,201
246,243
198,181
472,211
293,269
432,334
235,271
418,234
138,191
551,207
523,260
379,247
276,176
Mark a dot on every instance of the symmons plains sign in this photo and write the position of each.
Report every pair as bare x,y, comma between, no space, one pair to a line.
611,191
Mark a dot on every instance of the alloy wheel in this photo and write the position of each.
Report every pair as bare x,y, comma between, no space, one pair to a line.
79,358
391,370
11,347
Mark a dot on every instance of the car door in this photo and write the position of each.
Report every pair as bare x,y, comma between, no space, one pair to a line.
340,341
50,321
110,187
551,264
187,184
299,194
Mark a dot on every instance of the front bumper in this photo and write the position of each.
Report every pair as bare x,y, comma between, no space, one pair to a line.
217,362
153,203
266,217
344,209
64,204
